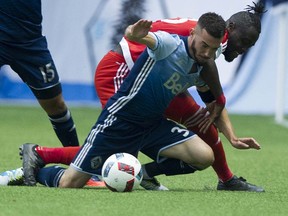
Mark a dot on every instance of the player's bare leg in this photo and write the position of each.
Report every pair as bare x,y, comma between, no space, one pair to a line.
194,152
61,119
72,178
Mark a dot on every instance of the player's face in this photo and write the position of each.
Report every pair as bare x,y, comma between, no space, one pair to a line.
203,46
239,41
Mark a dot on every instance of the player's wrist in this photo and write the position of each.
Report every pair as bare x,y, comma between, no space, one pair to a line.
221,100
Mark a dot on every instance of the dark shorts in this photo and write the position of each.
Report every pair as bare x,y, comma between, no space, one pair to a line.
33,63
112,135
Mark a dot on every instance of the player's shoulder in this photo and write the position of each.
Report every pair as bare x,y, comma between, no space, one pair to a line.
165,44
164,36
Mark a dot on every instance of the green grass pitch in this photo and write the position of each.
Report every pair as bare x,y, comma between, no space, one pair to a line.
193,194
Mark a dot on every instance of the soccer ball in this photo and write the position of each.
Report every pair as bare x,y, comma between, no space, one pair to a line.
122,172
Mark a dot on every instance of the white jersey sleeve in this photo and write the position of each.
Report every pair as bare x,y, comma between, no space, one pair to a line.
165,45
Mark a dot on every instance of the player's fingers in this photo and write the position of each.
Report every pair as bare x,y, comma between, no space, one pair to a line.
255,146
202,122
205,125
249,145
146,23
208,125
251,142
204,110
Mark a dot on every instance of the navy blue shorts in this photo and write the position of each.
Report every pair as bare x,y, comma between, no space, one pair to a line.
33,62
114,135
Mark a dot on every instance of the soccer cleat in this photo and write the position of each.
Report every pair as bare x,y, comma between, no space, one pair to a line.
12,177
153,184
238,184
32,162
95,181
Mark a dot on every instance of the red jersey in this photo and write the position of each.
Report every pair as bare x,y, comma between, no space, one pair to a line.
181,26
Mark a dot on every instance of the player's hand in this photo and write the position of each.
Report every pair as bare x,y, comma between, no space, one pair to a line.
215,110
139,29
245,143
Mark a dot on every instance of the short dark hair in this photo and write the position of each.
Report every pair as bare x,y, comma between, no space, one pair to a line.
213,23
250,17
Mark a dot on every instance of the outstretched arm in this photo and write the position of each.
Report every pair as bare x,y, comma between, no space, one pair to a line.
139,32
224,124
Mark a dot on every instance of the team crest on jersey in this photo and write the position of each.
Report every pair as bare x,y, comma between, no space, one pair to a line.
96,162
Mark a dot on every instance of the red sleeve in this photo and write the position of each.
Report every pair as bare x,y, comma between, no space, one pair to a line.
181,26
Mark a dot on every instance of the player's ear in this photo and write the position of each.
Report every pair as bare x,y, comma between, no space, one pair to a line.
231,26
192,31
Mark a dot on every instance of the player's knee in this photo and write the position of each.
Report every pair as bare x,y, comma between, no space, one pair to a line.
203,160
206,160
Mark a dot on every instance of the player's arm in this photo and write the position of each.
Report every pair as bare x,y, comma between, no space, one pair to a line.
210,75
224,124
139,32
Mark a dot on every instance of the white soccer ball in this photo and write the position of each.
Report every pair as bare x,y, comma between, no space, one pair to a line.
122,172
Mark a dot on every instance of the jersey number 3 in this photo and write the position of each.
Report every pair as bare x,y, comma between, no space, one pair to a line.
180,130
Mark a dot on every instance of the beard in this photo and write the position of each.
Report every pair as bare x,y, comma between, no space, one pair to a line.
229,56
200,62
